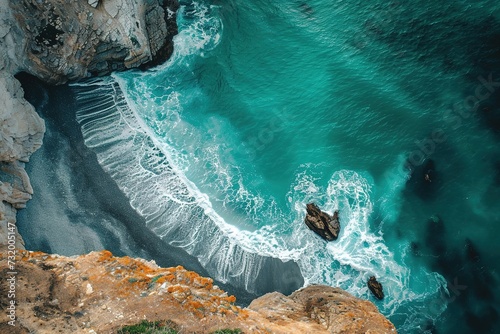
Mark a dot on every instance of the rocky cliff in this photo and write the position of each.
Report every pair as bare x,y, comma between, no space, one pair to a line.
58,41
99,293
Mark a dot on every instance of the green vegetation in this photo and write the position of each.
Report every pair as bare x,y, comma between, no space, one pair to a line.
154,279
164,327
149,327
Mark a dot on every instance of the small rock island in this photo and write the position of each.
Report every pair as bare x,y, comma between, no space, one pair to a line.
322,223
376,288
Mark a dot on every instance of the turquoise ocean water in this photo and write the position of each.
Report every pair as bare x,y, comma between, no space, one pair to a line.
265,107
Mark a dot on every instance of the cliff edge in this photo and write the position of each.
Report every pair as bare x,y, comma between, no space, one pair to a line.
99,293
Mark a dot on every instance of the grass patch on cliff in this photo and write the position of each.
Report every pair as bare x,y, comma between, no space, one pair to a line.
164,327
150,327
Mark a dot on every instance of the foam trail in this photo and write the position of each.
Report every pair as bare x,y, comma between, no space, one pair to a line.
172,210
394,182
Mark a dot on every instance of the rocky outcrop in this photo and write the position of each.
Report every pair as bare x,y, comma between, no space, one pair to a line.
322,223
101,293
376,288
58,41
334,310
21,134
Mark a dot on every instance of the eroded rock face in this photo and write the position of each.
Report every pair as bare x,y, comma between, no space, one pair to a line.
60,41
21,129
104,293
322,223
21,134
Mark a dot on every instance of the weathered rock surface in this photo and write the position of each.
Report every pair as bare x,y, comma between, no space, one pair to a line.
334,310
103,293
375,287
59,41
21,134
322,223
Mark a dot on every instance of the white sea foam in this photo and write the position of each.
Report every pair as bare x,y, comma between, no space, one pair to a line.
358,253
394,181
199,31
172,205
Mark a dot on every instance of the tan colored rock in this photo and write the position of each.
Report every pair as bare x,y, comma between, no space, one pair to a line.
334,309
101,293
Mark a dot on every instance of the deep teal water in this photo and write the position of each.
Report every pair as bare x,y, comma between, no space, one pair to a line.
266,107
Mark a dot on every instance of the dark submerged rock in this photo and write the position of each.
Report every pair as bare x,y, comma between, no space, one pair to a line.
322,223
436,236
429,327
484,321
376,288
471,253
415,248
306,9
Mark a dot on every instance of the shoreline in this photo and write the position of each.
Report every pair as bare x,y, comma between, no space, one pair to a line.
96,192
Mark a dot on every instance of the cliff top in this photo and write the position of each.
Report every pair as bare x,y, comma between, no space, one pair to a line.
103,293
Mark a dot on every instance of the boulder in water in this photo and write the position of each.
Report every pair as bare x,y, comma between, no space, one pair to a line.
376,288
322,223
